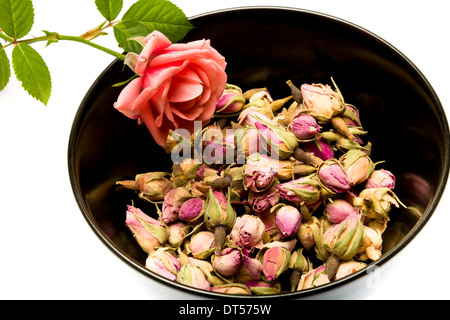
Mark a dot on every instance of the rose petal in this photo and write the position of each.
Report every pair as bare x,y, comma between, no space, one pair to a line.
155,42
126,99
184,88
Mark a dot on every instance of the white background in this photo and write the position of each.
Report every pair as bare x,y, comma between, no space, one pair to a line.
48,251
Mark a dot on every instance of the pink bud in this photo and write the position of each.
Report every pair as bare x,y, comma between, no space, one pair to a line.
321,101
305,189
172,204
357,165
148,232
192,210
381,178
232,100
275,262
260,202
248,231
313,278
319,148
193,276
344,239
250,116
202,244
177,232
228,262
287,220
338,210
304,127
249,142
333,176
163,263
258,173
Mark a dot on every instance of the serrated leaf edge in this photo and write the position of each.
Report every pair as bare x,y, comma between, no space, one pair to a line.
44,97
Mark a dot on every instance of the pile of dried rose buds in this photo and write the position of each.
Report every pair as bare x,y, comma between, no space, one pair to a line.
300,204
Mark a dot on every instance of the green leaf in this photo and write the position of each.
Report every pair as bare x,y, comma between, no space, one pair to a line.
125,32
146,16
31,70
5,71
16,17
110,9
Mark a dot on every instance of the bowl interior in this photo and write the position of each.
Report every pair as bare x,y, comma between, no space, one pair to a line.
266,47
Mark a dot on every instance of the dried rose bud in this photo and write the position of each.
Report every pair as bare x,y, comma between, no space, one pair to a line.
306,231
381,178
185,171
213,143
163,263
299,265
253,266
261,202
251,115
321,101
172,204
260,287
249,93
313,278
279,141
376,203
151,186
192,210
227,262
193,276
344,239
219,216
337,210
304,127
248,142
177,233
351,116
261,98
204,265
298,261
370,245
202,244
231,101
353,122
232,288
258,174
148,232
319,148
248,231
332,176
305,189
357,165
287,219
348,267
250,269
275,262
285,168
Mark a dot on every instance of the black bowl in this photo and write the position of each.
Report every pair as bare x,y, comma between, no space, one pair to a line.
266,47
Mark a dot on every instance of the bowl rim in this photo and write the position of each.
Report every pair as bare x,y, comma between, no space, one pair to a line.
297,294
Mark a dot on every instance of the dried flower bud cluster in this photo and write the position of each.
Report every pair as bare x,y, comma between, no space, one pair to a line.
300,204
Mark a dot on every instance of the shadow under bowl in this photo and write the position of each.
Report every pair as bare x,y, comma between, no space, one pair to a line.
265,47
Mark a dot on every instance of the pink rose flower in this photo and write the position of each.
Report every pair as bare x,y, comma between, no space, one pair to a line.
178,84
